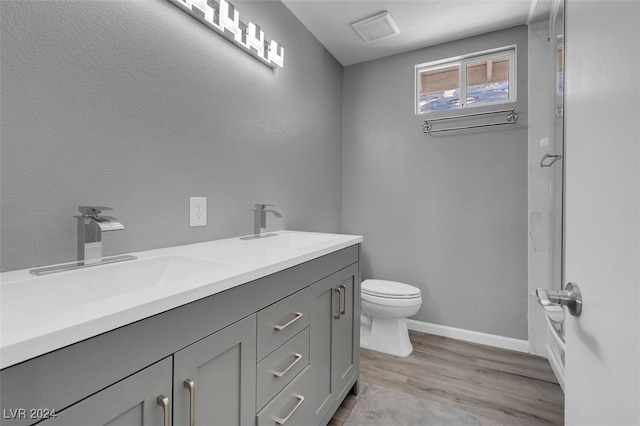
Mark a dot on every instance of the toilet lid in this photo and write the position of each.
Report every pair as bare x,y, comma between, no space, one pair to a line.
390,289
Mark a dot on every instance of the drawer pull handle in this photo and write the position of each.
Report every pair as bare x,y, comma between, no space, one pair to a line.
282,327
300,399
343,289
163,401
337,290
191,386
279,374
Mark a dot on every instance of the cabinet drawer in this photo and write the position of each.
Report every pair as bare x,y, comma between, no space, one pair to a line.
281,321
289,407
281,366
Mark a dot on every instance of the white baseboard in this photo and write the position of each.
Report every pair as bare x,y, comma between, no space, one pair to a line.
470,336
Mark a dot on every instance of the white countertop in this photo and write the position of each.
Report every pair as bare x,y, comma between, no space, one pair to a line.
40,314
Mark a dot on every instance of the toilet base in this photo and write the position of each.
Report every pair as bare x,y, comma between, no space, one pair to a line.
386,335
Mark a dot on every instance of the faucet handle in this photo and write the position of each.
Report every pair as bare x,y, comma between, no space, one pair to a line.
263,206
92,210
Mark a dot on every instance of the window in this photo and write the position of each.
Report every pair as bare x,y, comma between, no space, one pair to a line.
465,82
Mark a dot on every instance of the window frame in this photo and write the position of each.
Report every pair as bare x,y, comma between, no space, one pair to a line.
462,62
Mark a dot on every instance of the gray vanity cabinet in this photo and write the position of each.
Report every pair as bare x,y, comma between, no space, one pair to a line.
335,339
214,379
214,359
132,402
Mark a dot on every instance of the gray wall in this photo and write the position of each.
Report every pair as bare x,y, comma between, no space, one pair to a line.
447,212
137,106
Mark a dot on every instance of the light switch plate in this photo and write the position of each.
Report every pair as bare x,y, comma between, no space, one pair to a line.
198,211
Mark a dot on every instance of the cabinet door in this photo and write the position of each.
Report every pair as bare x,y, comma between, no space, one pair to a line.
215,378
132,401
343,351
333,348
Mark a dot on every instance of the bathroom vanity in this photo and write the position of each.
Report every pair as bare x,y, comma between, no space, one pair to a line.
270,338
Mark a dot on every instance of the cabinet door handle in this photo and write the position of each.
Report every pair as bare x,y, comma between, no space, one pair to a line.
191,386
343,289
163,401
279,374
300,399
337,316
282,327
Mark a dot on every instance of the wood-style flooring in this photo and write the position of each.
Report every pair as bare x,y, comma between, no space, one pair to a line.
498,386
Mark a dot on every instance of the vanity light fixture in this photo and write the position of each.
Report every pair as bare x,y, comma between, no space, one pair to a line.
223,18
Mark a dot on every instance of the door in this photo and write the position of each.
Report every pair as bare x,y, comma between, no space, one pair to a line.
602,117
215,378
132,401
343,353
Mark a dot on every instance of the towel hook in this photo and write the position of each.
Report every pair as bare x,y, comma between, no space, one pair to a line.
554,157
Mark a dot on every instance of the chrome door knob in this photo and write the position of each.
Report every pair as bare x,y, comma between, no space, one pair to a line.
569,297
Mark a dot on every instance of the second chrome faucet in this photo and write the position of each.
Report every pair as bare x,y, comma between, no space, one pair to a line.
260,221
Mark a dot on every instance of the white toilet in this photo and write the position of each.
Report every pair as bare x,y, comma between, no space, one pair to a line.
383,322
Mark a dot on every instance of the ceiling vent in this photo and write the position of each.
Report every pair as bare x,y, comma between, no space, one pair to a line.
377,27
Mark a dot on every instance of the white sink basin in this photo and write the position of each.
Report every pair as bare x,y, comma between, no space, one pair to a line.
39,314
291,241
38,296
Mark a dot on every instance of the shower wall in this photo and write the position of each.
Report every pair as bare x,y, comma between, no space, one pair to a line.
545,183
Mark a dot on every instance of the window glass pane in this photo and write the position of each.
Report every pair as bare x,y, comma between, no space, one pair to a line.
488,80
439,89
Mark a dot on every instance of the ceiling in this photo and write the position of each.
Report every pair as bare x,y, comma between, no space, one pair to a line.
422,23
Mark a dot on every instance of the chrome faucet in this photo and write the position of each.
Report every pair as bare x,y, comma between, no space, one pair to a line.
260,221
90,228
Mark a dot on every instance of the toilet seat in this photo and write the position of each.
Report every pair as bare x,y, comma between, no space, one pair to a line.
389,289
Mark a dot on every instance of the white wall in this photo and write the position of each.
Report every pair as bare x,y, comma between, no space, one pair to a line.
137,106
444,212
